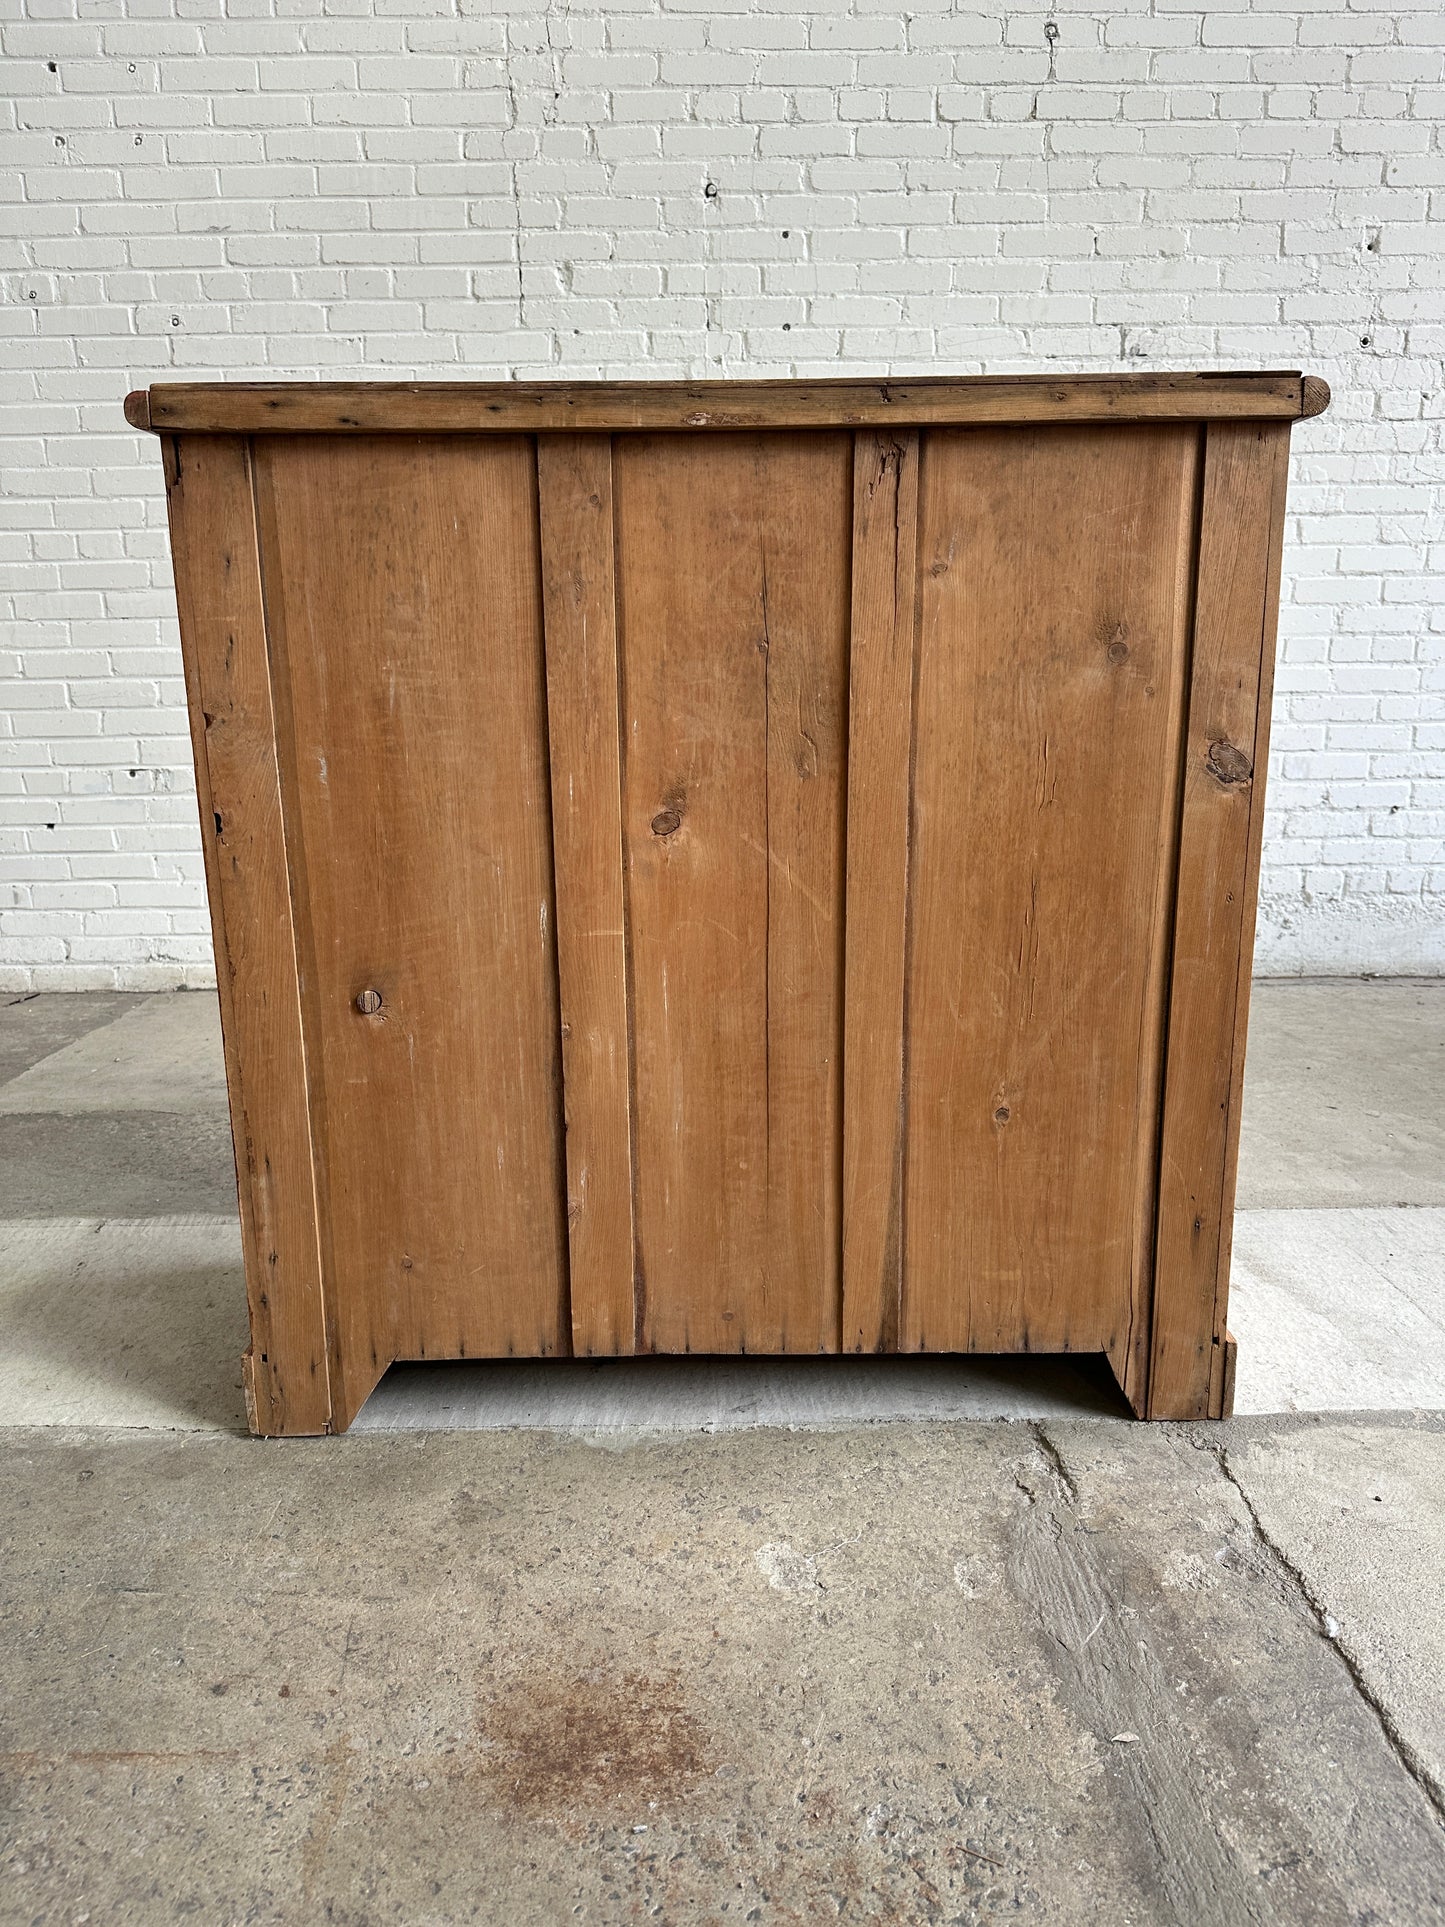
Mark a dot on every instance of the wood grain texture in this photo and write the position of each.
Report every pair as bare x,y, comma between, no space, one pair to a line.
732,580
1222,1363
375,407
574,474
1226,748
223,644
880,737
1054,568
403,601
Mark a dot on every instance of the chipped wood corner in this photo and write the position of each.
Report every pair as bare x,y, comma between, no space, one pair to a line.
1223,1406
1314,396
248,1386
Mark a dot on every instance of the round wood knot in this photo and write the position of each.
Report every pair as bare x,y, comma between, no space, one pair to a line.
1229,764
368,1002
1001,1115
666,822
1118,652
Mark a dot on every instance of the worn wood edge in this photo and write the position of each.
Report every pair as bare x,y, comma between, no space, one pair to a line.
263,1415
1130,1356
1314,396
248,1392
510,407
1221,1403
1269,650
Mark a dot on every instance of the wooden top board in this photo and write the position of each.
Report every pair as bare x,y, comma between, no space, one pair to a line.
465,407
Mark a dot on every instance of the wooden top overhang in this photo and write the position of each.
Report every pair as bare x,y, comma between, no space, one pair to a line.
513,407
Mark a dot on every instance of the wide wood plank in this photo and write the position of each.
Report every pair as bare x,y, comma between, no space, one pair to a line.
880,736
732,580
403,599
1226,751
375,407
1054,604
228,689
574,474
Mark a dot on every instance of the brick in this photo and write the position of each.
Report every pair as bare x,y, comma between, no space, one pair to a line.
316,190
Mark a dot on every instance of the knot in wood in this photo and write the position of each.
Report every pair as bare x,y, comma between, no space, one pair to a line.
666,822
368,1002
1229,764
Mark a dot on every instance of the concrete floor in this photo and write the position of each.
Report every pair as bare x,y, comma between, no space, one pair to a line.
702,1644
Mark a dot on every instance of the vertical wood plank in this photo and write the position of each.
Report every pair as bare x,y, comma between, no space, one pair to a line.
1226,750
732,582
574,477
1055,570
402,581
882,673
223,643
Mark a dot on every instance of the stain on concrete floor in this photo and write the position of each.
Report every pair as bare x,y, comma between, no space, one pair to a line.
510,1678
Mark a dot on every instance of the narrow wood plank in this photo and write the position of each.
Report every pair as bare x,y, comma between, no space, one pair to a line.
732,578
1054,570
403,598
1222,1366
880,737
574,475
223,644
374,407
1225,759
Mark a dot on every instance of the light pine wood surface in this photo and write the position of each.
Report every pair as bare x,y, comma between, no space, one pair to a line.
405,623
1054,608
732,592
585,742
732,868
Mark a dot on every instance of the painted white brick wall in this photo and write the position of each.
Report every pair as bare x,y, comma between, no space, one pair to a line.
214,188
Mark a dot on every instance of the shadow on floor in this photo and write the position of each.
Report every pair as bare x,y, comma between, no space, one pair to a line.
648,1396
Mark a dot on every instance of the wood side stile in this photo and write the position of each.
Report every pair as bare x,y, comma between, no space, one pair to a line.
233,735
1226,749
574,476
882,678
1222,1365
